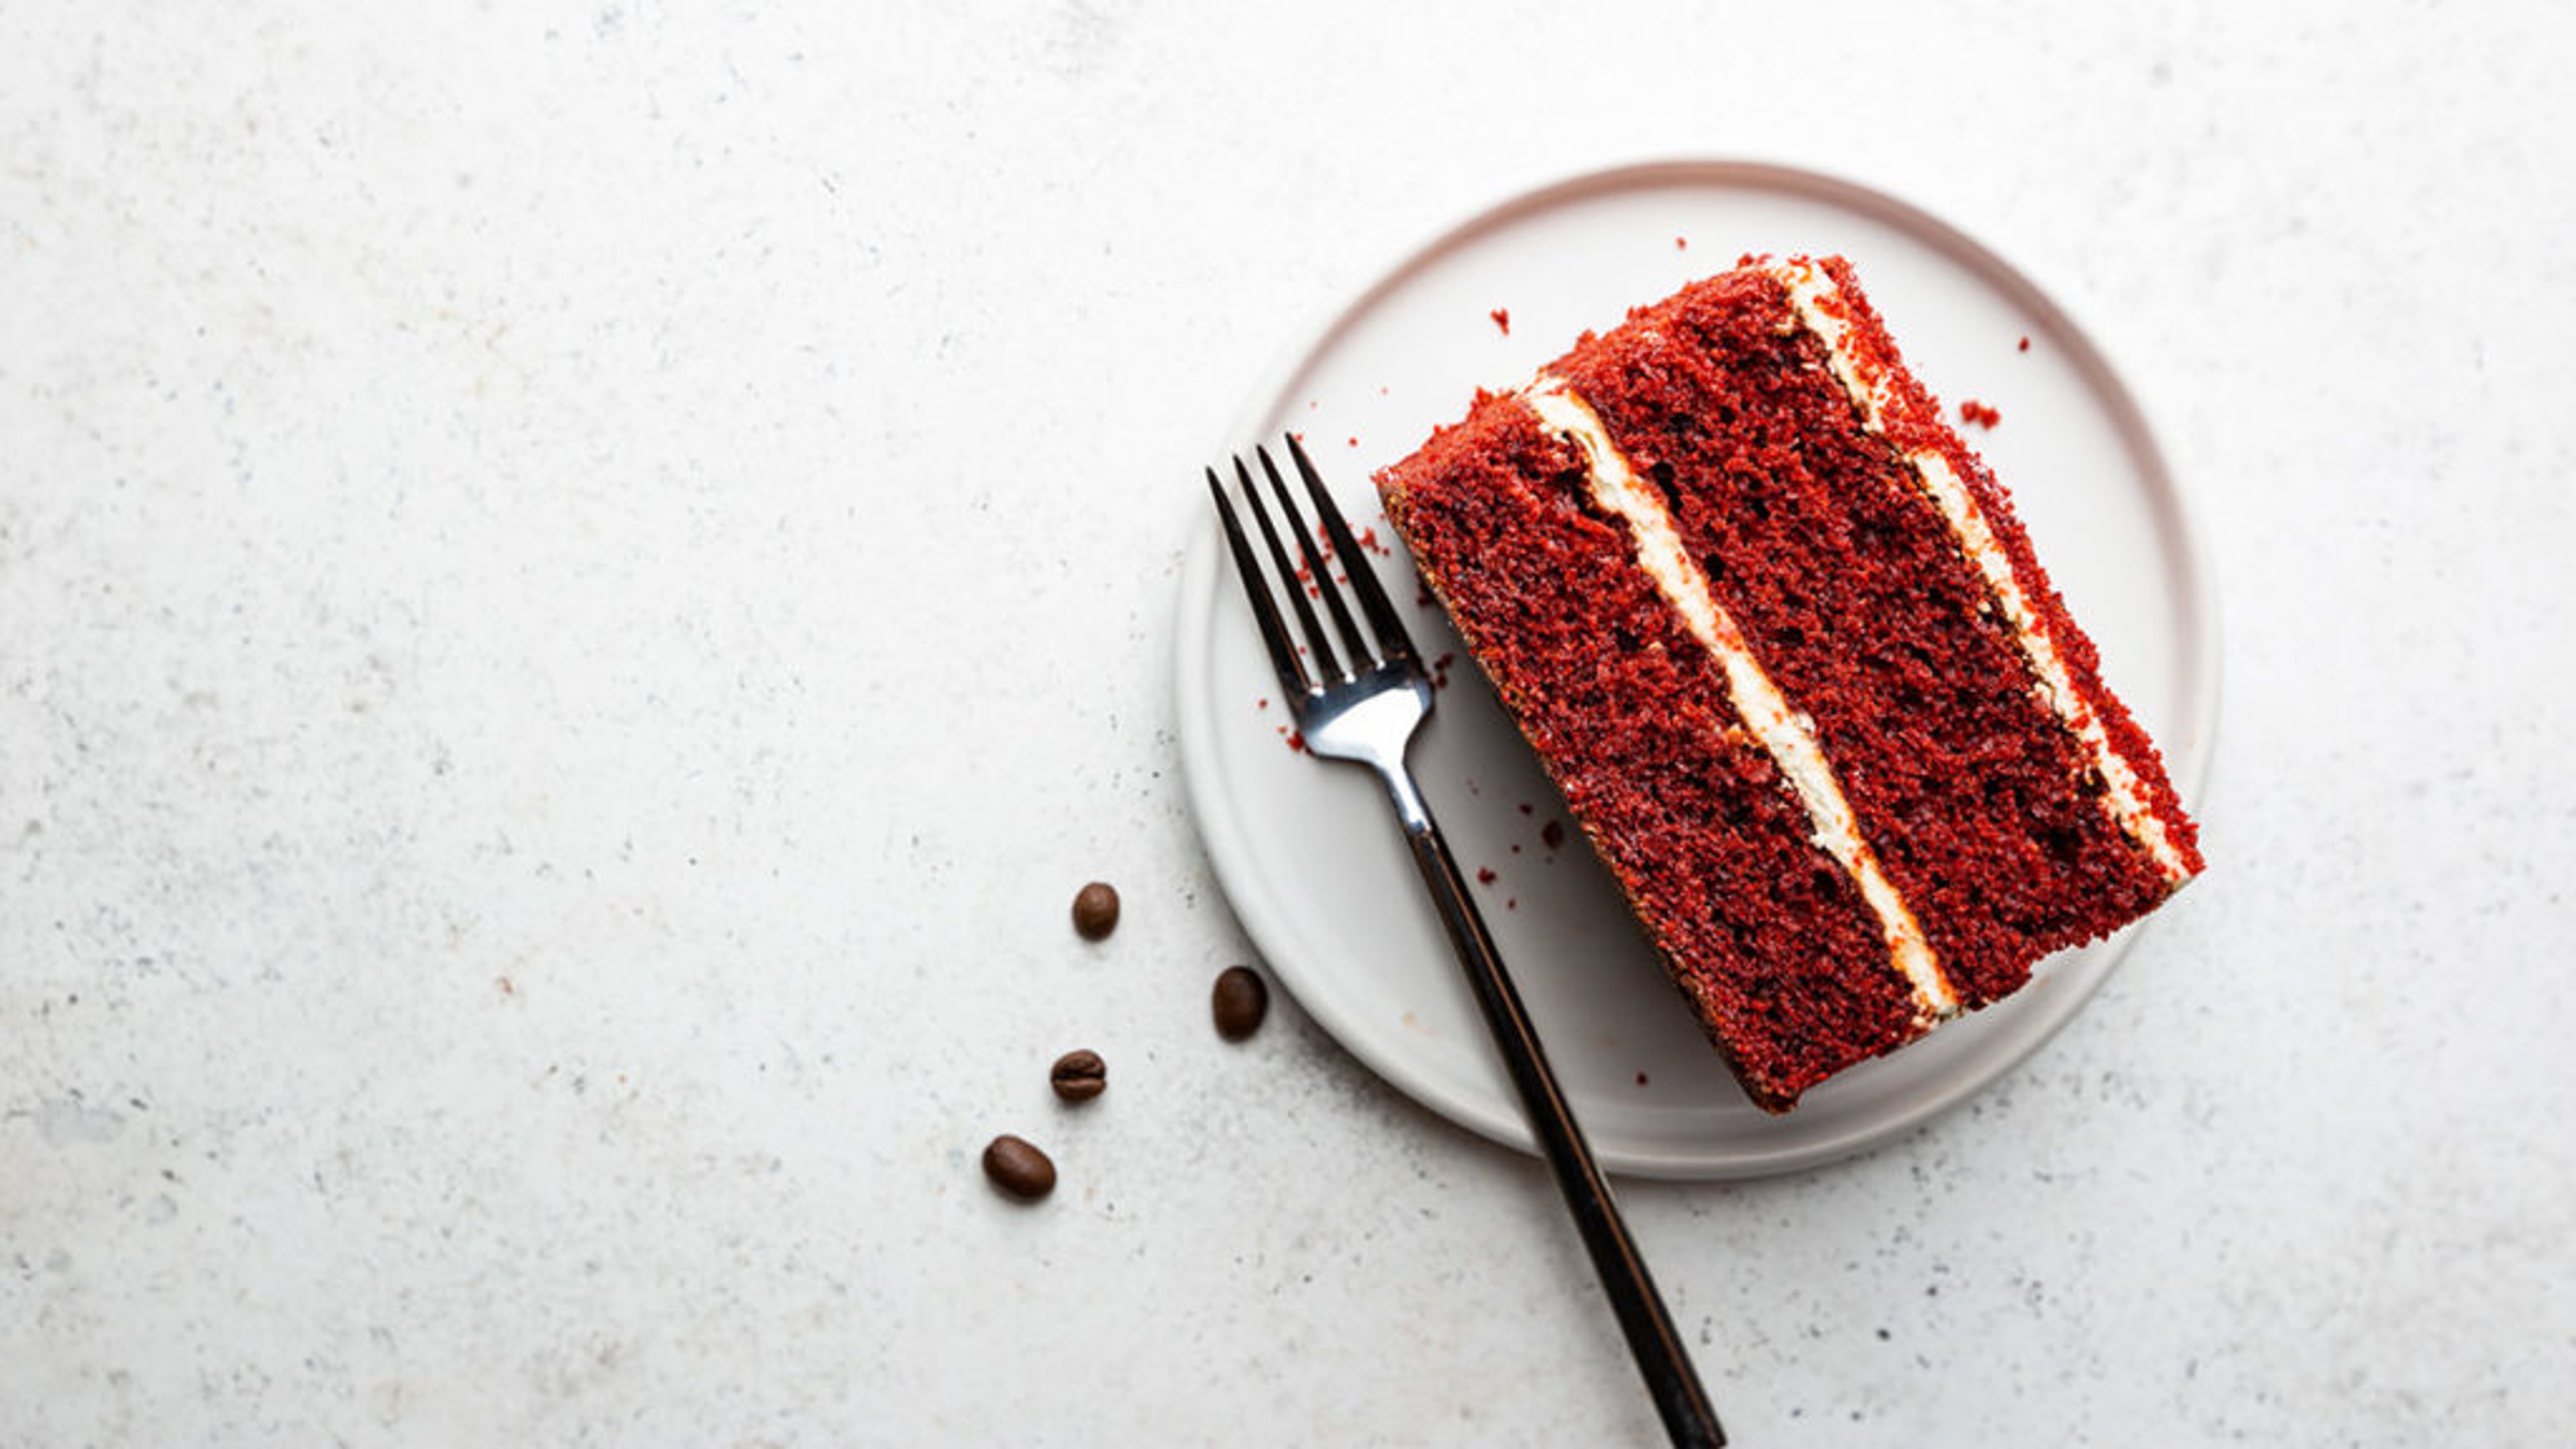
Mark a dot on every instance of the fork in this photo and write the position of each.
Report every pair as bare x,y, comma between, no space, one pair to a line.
1366,710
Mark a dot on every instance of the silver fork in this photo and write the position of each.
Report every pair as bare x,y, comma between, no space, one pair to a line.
1366,711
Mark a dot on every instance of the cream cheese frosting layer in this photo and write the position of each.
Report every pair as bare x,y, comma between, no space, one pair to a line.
1785,734
1810,286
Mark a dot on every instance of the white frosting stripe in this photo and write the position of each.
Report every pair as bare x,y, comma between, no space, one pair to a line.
1808,285
1788,736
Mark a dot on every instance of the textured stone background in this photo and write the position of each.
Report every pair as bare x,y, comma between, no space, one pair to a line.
579,586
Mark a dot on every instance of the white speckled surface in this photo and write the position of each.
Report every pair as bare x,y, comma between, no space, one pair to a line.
579,589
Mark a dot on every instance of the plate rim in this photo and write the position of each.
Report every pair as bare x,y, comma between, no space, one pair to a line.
1221,832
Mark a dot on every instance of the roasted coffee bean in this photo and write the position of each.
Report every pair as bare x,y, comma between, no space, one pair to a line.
1095,910
1018,1168
1079,1076
1240,1000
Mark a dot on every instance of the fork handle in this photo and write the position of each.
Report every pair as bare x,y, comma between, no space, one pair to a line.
1688,1417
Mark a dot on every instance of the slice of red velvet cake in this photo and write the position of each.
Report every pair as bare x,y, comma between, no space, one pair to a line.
1780,640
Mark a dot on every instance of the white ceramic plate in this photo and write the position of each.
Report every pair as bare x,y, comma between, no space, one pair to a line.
1306,850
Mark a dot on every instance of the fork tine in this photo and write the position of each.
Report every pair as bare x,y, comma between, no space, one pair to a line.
1392,641
1293,680
1328,664
1357,642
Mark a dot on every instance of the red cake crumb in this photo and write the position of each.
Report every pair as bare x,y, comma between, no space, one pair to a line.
1980,414
1641,1079
1503,319
1355,442
2024,346
1296,741
1484,876
1681,243
1552,834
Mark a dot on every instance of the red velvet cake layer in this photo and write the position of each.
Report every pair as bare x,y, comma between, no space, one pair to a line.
1983,809
1631,718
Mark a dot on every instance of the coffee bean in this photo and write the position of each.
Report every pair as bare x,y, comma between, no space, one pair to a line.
1240,1000
1095,910
1079,1076
1018,1168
